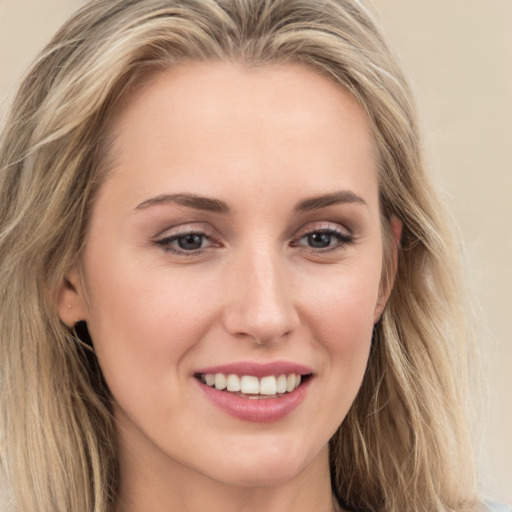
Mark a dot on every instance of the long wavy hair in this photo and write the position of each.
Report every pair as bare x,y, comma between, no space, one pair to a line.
405,443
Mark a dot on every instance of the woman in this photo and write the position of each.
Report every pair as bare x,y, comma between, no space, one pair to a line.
226,280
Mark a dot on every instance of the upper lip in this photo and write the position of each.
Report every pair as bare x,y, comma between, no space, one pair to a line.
258,369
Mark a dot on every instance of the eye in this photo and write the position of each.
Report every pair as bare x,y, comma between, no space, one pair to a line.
186,243
325,238
320,239
190,242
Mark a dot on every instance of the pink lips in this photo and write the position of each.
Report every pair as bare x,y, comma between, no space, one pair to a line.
256,410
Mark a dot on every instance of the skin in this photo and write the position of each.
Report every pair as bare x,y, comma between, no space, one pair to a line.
261,141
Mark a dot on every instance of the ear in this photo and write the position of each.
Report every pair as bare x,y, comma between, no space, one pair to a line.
71,304
388,274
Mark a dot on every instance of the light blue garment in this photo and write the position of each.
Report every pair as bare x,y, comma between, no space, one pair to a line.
494,506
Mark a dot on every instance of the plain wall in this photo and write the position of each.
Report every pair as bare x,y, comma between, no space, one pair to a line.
458,55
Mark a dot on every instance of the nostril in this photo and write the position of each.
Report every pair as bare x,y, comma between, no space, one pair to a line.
261,306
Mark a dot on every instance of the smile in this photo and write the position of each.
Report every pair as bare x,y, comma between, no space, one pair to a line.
256,392
250,386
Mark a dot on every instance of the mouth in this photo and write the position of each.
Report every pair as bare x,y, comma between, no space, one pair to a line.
258,392
253,387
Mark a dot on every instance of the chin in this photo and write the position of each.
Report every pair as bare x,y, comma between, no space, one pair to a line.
268,466
259,475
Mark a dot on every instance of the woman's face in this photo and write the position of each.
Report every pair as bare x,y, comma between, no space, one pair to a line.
237,233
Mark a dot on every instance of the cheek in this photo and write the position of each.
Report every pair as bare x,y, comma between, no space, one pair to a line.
144,323
345,333
340,315
341,310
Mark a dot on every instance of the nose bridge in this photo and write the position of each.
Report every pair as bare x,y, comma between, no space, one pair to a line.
261,305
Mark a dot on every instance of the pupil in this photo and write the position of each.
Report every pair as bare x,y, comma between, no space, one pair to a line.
190,242
319,240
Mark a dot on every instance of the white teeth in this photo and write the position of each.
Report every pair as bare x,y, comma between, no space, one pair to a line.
250,385
281,384
233,383
290,382
220,381
269,385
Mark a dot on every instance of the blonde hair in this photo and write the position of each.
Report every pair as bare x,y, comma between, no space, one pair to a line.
404,444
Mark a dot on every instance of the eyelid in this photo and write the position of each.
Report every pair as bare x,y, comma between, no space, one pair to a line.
324,226
184,229
346,235
165,237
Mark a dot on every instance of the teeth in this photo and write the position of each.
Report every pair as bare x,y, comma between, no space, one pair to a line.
268,385
281,384
220,381
233,383
290,382
250,385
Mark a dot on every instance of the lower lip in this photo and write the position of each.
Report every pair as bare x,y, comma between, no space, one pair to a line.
260,410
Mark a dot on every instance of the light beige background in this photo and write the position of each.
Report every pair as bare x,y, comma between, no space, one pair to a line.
458,54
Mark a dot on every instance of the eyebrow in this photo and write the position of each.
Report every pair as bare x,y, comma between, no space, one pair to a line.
323,201
218,206
188,200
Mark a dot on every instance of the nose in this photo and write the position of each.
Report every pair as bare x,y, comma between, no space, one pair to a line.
260,299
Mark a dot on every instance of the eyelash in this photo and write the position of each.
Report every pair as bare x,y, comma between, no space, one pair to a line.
166,242
343,239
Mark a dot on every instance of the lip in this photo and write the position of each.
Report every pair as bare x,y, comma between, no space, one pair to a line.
261,410
258,369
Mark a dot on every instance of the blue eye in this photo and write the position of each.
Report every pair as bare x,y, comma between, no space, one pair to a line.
320,240
190,242
185,243
325,239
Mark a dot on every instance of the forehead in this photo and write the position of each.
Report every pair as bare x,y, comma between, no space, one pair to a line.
201,125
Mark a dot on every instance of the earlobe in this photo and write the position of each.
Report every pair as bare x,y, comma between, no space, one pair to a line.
389,273
71,305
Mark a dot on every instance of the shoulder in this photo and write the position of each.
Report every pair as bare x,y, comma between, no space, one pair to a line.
494,506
